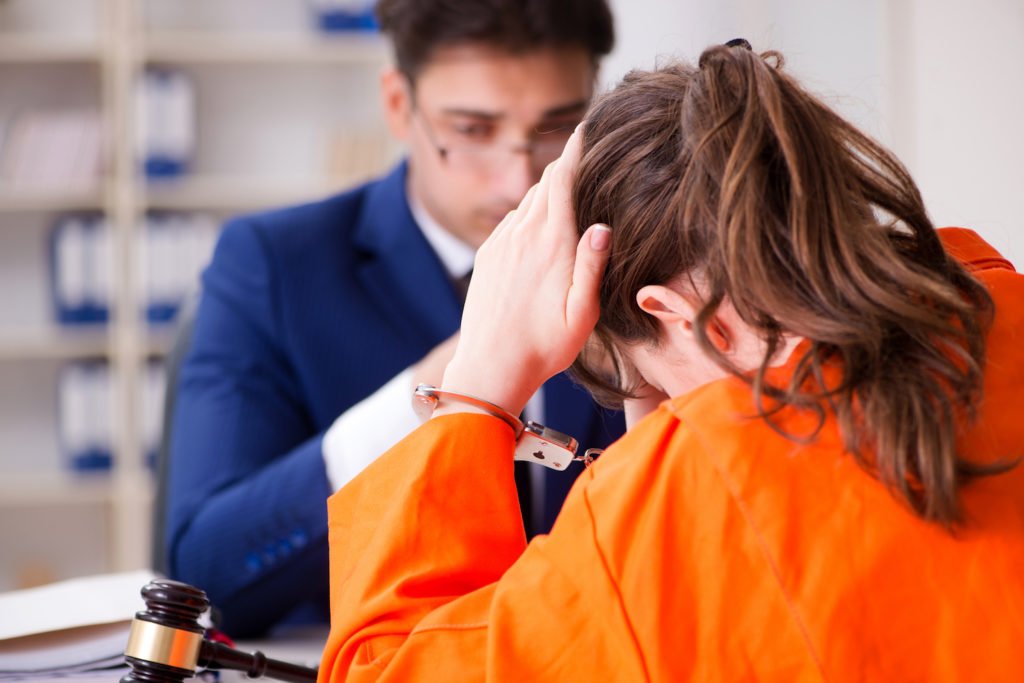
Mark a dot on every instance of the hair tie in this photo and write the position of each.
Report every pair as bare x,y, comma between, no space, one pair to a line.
711,51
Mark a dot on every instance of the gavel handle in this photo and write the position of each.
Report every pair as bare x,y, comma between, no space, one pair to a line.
214,655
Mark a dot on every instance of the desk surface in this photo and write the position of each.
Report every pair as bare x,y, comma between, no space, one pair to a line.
299,646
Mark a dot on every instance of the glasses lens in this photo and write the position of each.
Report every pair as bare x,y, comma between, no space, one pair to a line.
549,146
492,157
478,158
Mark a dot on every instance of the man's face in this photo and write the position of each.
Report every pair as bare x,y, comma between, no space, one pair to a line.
481,124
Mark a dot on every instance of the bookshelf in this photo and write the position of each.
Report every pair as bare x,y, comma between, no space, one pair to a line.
208,47
43,200
234,193
32,49
277,103
53,343
31,490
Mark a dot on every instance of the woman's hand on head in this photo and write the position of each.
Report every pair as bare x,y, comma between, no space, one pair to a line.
533,299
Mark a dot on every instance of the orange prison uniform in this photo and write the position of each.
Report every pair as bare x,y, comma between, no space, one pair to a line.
701,546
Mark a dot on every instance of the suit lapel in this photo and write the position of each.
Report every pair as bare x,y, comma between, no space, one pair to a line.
399,271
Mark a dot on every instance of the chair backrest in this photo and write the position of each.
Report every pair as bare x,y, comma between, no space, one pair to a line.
182,343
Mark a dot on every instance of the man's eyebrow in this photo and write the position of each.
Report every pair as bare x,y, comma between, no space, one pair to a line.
577,107
472,113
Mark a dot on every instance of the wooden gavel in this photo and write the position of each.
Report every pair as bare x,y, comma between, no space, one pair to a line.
166,643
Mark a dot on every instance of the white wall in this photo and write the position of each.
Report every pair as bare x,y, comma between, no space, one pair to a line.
963,129
941,82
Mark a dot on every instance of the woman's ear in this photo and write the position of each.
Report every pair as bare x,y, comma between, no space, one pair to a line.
668,306
676,312
396,101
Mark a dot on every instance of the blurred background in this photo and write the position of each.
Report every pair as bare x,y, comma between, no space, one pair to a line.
130,129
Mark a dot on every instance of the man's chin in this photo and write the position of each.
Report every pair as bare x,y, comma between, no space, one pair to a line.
495,218
484,225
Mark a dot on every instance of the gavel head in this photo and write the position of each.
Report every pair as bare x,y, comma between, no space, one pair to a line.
166,638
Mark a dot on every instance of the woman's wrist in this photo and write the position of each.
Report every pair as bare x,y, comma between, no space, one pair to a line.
451,408
476,379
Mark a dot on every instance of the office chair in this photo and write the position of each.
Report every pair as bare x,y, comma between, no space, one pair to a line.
179,349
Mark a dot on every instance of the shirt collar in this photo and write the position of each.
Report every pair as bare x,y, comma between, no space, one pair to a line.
456,256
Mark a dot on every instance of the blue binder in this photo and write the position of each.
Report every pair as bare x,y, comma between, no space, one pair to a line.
334,16
80,263
84,416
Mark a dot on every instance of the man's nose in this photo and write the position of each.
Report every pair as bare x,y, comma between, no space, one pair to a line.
517,175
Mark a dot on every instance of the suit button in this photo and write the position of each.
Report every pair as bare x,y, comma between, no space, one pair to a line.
298,539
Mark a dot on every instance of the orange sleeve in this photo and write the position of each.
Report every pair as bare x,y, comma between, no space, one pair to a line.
431,578
974,253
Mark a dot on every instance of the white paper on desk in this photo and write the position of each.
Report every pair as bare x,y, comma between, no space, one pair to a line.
70,627
71,650
105,675
102,599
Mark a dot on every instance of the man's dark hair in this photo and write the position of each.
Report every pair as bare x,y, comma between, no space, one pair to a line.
419,27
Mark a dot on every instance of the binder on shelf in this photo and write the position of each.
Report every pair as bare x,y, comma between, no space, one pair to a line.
52,149
160,297
172,252
84,416
166,122
344,15
176,246
80,269
85,406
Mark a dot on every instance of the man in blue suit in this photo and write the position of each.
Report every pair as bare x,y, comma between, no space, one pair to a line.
316,321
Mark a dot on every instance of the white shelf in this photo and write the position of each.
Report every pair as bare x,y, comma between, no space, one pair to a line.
54,343
66,488
70,343
38,489
302,49
40,200
41,48
236,193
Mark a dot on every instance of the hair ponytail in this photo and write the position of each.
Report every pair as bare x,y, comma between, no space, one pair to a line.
808,227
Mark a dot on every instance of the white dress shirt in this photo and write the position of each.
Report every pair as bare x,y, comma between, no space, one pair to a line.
375,424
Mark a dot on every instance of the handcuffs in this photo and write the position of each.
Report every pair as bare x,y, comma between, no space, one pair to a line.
534,442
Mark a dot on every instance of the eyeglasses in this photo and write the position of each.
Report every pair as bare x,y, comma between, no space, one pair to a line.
487,156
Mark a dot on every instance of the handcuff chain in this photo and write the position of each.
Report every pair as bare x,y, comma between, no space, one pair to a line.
589,456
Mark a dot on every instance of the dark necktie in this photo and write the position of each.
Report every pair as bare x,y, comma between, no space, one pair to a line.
461,285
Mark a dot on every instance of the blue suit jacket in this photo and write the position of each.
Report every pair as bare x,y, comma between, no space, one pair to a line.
305,311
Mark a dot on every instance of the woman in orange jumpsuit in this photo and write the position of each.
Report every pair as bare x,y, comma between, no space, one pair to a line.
819,481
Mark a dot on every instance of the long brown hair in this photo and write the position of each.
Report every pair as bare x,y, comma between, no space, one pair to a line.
808,227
